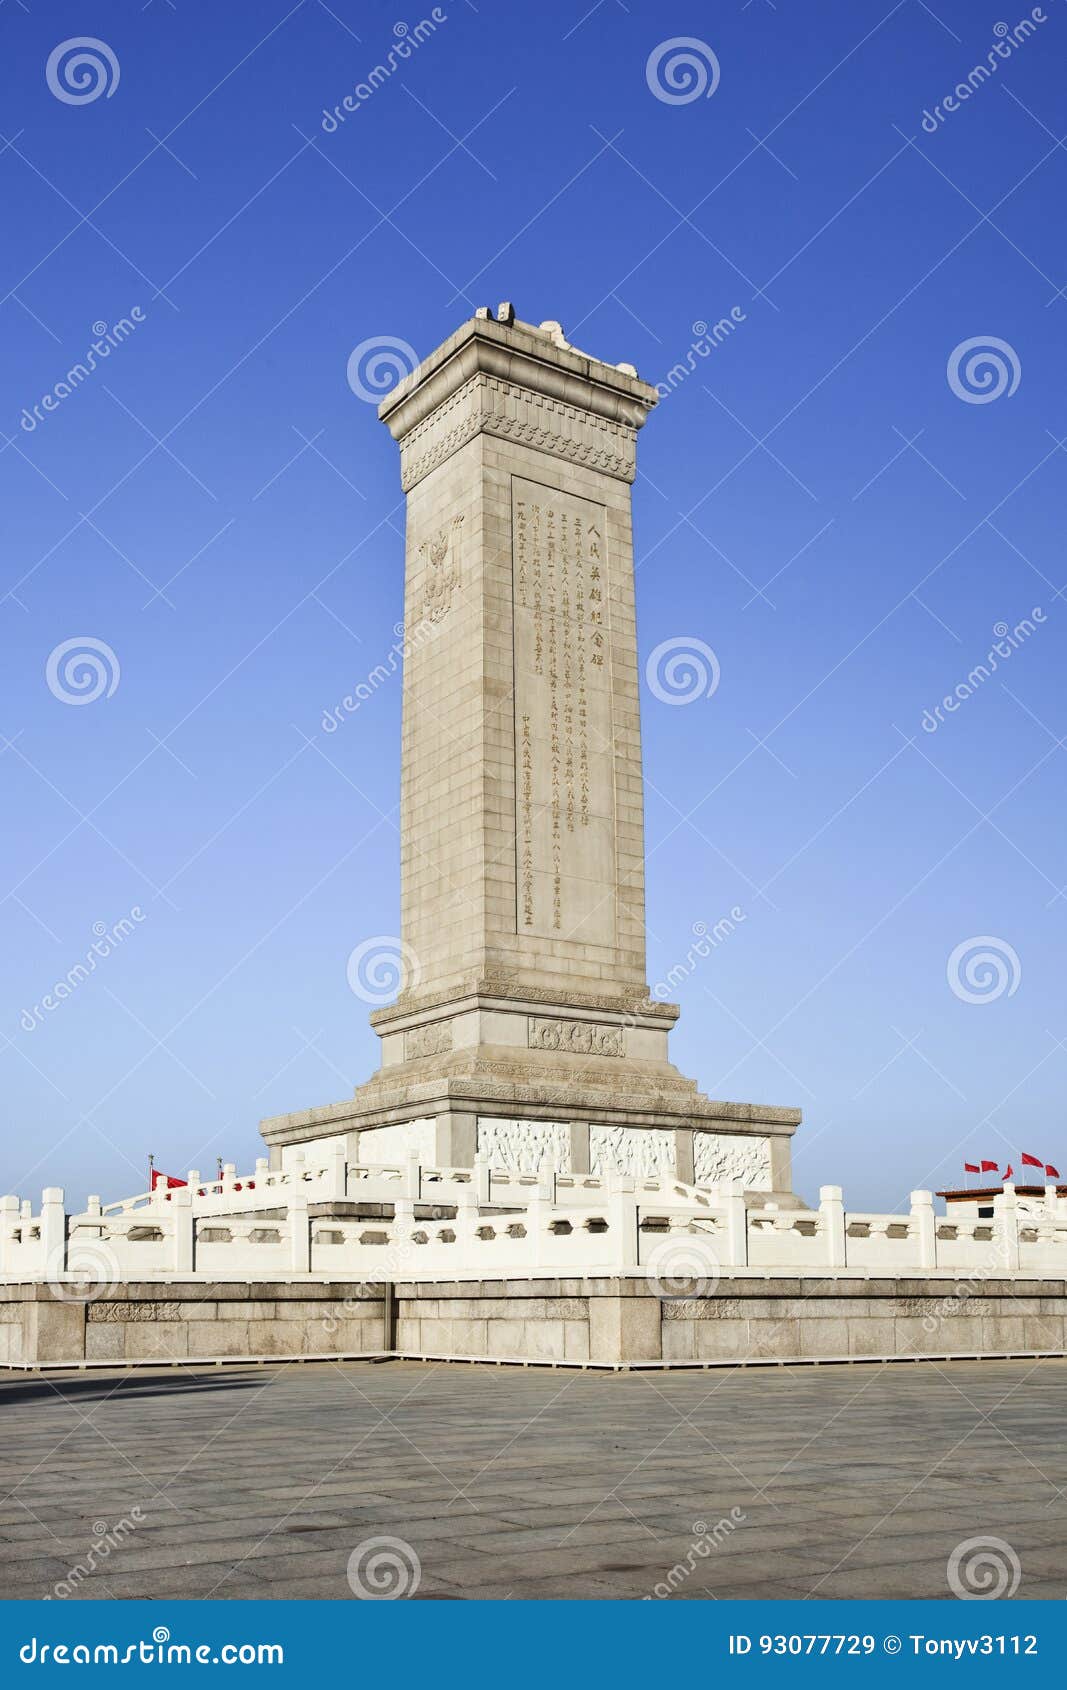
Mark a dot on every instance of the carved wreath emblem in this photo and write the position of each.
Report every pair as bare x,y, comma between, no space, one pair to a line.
440,556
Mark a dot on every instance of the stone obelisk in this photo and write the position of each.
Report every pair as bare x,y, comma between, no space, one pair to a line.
524,1032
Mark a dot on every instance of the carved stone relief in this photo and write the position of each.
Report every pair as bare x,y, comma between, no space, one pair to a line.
527,1147
718,1157
587,1038
428,1040
631,1150
133,1312
440,557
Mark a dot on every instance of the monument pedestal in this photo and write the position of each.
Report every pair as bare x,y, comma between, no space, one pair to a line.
523,1032
530,1085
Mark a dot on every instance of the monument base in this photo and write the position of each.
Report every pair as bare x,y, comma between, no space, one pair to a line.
531,1083
565,1322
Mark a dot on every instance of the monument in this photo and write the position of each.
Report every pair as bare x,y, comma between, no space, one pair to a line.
523,1032
527,1178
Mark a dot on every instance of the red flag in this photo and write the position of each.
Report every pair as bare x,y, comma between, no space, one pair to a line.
165,1182
971,1168
988,1168
1008,1174
1031,1161
1053,1173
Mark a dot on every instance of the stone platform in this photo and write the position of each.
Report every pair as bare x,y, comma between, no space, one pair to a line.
606,1322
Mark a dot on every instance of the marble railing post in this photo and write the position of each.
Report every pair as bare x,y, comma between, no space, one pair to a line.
483,1174
465,1197
537,1226
832,1210
403,1218
53,1230
732,1198
622,1222
9,1214
922,1213
337,1174
1007,1217
183,1224
299,1233
411,1178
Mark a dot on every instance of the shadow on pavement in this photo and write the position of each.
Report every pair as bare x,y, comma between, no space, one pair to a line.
14,1392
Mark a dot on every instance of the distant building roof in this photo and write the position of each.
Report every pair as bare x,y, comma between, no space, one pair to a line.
983,1193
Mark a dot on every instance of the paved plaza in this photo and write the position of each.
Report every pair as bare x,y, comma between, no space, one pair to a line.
506,1483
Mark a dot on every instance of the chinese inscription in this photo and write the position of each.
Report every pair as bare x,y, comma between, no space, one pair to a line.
563,718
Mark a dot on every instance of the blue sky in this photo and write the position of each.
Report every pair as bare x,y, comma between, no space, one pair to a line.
817,503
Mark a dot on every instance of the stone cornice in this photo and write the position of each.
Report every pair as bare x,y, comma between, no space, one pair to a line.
489,405
525,357
515,995
510,1091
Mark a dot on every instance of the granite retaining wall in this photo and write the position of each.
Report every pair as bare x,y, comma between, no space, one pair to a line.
559,1321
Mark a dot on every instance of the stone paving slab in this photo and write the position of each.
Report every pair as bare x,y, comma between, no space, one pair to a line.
507,1484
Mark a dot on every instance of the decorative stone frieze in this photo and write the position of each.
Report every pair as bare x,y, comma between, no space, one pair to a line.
583,1038
486,405
431,1039
144,1313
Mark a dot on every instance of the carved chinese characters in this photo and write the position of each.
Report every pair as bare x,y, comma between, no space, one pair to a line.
563,719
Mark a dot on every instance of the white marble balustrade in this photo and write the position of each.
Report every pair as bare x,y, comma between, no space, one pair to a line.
500,1224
